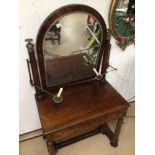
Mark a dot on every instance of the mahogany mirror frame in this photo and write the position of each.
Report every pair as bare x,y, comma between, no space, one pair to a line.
126,41
44,28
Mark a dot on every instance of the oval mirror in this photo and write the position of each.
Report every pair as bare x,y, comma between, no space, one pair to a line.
122,22
69,46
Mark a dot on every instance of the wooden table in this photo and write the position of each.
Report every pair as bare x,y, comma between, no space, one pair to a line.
82,114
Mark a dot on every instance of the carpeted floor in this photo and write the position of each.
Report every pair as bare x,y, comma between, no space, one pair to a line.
95,145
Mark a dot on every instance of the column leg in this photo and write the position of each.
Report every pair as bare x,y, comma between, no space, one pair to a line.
51,149
107,131
44,137
114,140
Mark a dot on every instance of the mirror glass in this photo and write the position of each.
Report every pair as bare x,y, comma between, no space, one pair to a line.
124,18
71,47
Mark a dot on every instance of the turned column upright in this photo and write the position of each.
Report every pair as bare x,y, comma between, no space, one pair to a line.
104,65
34,68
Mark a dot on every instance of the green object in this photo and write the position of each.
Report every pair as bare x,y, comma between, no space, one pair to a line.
93,41
122,27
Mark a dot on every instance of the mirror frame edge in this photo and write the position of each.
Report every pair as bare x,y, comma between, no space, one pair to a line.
126,41
44,27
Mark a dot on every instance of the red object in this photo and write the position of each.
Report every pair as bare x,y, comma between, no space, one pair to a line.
119,37
91,20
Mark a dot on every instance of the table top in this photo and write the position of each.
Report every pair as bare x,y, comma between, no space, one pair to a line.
80,104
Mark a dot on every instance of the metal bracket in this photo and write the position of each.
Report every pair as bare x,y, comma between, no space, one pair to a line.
28,66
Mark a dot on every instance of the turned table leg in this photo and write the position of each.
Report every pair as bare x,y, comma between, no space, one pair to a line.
114,140
51,149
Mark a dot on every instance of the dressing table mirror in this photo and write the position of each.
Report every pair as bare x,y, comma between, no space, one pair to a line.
122,22
71,48
67,68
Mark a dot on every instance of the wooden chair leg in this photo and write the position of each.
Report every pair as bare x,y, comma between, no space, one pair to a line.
51,149
114,140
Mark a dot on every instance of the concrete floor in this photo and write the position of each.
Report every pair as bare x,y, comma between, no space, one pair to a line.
95,145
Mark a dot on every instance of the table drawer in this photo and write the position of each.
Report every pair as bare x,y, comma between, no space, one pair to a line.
83,127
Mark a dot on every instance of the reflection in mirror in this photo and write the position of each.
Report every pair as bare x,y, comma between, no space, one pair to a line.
71,47
125,18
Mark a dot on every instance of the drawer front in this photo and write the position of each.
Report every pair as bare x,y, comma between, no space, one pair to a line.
83,127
